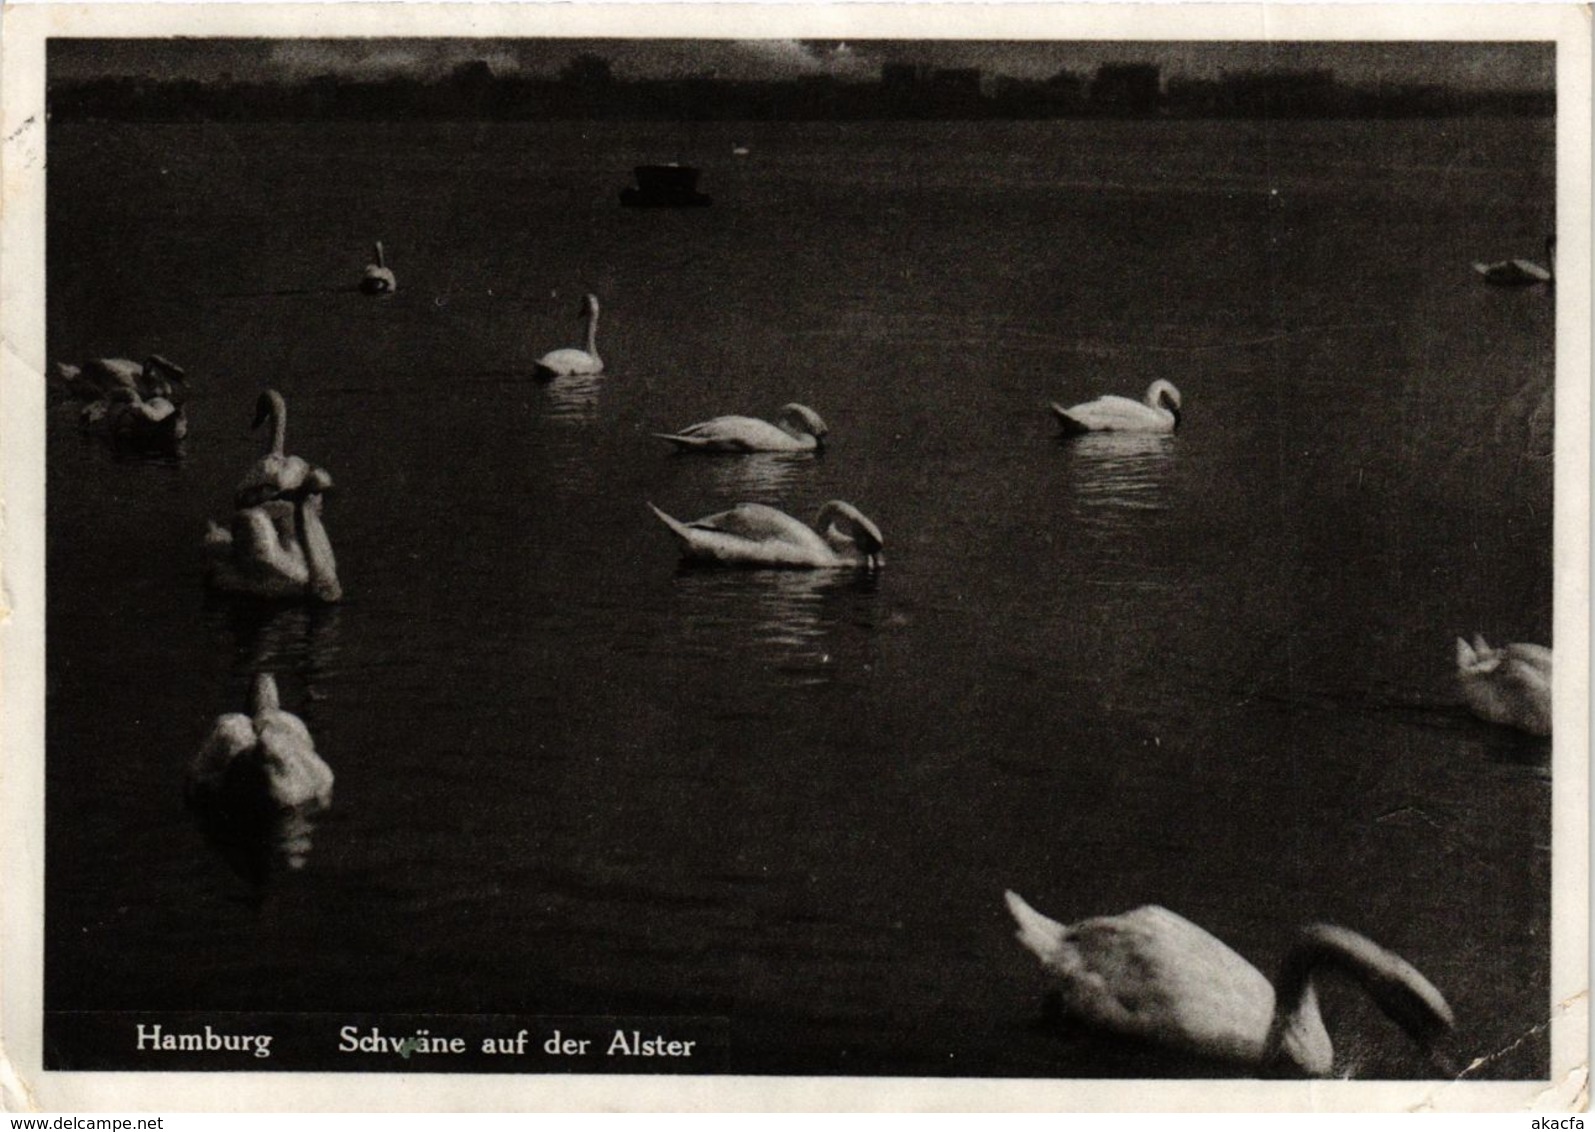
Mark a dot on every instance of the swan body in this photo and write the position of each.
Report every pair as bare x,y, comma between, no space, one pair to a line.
1520,272
573,362
1510,685
276,472
751,534
277,548
1154,975
1159,412
270,749
153,424
98,378
797,428
378,278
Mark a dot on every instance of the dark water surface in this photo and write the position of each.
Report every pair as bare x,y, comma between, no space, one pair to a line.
1212,672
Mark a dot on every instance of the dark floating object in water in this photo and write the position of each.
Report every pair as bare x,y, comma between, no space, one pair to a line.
664,186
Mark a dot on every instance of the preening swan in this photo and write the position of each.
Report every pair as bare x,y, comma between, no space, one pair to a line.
1153,975
97,378
797,428
277,548
272,750
751,534
1160,412
275,472
1510,685
130,421
572,362
1520,272
378,278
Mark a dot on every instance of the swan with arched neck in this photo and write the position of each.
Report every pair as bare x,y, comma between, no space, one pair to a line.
1153,975
751,534
796,428
1158,412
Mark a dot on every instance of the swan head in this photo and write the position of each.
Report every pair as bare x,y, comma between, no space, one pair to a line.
267,405
589,307
850,532
1161,394
157,368
802,419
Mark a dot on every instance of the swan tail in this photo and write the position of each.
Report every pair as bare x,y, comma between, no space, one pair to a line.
1039,934
1071,423
677,528
679,440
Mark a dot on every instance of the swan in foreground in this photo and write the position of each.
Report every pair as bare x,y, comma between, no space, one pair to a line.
275,472
271,748
751,534
378,278
1510,685
797,428
131,421
1520,272
277,548
573,362
97,378
1153,975
1160,412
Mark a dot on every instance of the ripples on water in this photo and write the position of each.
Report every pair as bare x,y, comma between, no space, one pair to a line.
1211,671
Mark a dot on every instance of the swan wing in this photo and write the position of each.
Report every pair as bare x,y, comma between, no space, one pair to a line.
751,534
738,434
233,734
1112,413
296,775
270,476
1154,975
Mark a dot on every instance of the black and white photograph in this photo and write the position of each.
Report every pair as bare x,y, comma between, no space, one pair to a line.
849,555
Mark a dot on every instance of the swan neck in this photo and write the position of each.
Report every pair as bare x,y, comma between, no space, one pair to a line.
279,425
380,261
1297,1034
592,330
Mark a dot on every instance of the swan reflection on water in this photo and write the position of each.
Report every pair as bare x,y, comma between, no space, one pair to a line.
573,400
757,476
784,620
302,639
256,784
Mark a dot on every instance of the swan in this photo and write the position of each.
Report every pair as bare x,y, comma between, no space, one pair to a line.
797,428
1160,412
572,362
1520,272
1510,685
153,424
378,278
271,746
1153,975
275,472
751,534
277,548
96,378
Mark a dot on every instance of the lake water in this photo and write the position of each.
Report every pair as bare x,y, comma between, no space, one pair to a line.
1213,672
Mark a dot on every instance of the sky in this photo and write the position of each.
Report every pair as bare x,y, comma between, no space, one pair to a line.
1469,65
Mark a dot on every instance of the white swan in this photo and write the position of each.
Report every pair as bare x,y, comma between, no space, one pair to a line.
276,472
1153,975
379,278
751,534
797,428
270,743
277,548
572,362
1520,272
132,421
1510,685
1160,412
97,378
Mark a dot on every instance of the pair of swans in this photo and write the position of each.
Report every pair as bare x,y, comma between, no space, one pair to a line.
571,362
1510,685
1159,412
796,428
378,278
277,546
751,534
1521,272
1153,975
